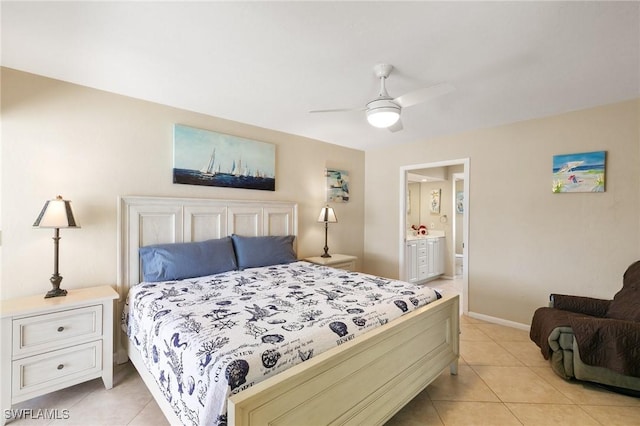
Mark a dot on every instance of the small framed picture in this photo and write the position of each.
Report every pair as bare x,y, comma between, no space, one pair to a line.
337,185
581,172
459,202
435,201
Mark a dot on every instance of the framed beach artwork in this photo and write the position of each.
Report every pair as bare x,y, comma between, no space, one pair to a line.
203,157
460,202
337,185
582,172
434,205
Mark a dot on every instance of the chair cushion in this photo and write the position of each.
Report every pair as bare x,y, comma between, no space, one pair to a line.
626,303
609,343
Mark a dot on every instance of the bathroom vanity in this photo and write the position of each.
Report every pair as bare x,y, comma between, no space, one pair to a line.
425,258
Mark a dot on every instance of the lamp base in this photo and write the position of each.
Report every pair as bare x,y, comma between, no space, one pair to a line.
326,255
55,292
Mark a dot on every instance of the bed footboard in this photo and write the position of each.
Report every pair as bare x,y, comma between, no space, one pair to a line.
366,380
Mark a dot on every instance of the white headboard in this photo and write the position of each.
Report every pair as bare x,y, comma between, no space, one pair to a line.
156,220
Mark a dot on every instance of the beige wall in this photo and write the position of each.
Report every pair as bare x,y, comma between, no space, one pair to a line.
415,201
433,220
92,146
524,241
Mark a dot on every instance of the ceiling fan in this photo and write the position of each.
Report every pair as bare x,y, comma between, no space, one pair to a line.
384,111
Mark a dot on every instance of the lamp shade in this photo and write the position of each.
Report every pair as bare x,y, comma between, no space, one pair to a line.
327,215
382,113
56,213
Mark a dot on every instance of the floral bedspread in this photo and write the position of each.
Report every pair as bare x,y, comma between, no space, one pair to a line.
206,338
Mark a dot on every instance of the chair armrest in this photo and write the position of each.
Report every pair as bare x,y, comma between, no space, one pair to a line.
580,304
544,321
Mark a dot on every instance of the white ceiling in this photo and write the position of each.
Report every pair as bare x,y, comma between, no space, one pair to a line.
269,63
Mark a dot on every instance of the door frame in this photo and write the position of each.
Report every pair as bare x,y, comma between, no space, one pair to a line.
404,170
454,219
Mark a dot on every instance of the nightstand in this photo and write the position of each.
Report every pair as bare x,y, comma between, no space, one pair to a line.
50,344
340,261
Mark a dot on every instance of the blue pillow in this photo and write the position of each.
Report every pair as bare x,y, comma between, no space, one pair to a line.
252,252
165,262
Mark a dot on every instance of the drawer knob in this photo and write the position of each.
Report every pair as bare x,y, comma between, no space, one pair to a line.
60,366
60,329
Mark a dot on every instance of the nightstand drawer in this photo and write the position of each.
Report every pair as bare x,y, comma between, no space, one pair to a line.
347,266
53,370
56,330
338,261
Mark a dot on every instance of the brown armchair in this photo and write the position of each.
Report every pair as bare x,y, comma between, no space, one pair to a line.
593,339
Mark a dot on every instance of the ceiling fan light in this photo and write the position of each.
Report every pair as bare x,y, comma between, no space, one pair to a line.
383,117
382,113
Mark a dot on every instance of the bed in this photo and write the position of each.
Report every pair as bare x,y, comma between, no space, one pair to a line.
357,377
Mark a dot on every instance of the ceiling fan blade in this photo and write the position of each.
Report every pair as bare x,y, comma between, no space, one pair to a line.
338,110
396,127
424,94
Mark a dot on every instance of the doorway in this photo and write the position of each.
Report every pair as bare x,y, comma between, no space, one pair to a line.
455,216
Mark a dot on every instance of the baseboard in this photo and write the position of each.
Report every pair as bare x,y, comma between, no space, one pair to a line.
499,321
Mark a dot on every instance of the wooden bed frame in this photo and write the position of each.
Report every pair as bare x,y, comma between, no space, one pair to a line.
366,380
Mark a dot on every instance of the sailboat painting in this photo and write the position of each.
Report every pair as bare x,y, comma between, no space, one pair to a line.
203,157
582,172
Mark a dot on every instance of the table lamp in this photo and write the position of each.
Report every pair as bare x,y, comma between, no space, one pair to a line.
56,214
327,215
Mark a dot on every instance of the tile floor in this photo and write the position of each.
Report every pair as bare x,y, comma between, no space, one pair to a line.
502,380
